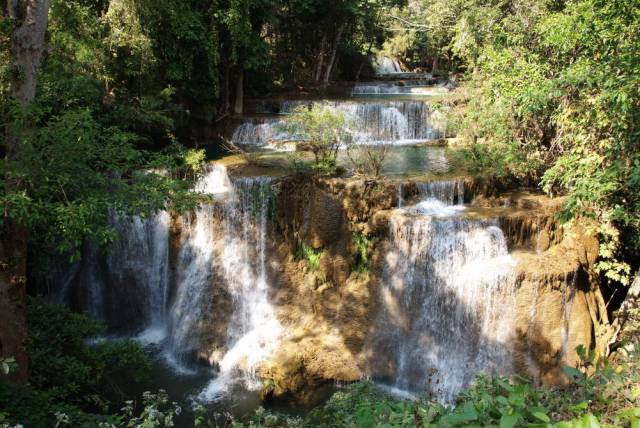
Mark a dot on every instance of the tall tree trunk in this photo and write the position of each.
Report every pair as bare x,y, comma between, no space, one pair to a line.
365,60
334,51
226,103
238,106
434,65
318,73
27,47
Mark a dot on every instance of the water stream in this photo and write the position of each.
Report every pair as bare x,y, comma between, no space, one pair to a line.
447,296
218,281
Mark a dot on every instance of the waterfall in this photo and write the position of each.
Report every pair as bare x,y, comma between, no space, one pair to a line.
263,135
253,330
216,292
450,191
225,245
386,65
397,122
141,255
215,181
416,87
447,295
194,277
132,276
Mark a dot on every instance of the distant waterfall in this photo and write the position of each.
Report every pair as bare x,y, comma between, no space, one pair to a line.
386,65
447,297
397,122
451,191
415,88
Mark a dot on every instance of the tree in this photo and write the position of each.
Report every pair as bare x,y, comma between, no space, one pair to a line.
323,129
27,45
368,159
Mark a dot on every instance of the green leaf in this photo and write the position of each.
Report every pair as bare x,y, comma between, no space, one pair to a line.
509,421
364,418
572,373
541,416
589,421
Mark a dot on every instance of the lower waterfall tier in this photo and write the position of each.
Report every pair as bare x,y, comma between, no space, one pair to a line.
298,281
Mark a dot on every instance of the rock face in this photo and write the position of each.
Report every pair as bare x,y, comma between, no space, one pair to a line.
330,312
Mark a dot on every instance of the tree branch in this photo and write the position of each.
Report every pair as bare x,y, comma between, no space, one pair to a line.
411,24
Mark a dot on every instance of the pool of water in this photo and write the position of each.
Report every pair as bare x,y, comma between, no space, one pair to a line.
182,386
401,161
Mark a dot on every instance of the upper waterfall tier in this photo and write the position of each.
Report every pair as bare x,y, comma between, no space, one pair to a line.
402,89
375,122
386,65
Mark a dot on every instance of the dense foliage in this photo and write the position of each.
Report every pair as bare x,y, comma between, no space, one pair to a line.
125,82
70,375
552,99
556,98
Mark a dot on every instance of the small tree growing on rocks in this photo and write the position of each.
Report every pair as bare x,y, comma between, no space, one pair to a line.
323,130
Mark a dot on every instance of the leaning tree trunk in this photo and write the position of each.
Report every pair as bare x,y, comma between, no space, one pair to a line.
27,46
318,73
332,58
434,64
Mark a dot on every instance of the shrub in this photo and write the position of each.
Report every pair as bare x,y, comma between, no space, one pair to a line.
323,129
68,375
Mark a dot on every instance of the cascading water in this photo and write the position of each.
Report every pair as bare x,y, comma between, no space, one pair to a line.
447,297
194,273
253,330
397,122
193,277
263,135
137,266
450,192
414,88
221,251
386,65
225,246
143,256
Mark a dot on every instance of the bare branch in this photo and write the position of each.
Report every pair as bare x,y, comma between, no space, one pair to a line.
411,24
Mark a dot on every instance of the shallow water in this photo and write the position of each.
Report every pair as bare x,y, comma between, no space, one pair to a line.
185,385
407,161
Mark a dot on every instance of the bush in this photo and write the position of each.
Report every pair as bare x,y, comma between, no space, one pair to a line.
362,246
368,159
68,375
609,396
323,129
